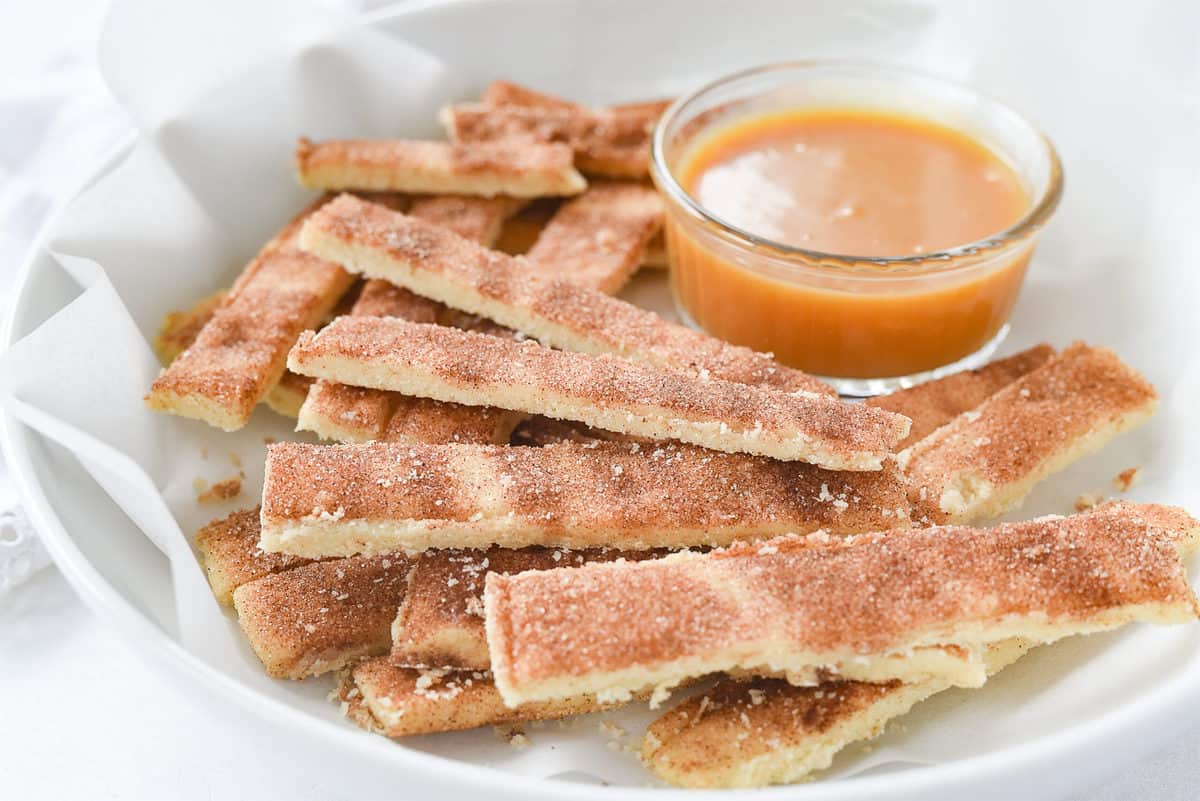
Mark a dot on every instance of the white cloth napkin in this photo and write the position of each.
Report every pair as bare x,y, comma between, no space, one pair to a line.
56,120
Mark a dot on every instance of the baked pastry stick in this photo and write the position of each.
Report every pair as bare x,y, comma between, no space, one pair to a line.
597,239
934,403
440,623
791,605
431,261
179,329
767,731
602,391
324,615
609,142
338,500
356,414
402,702
986,461
302,618
240,353
229,553
487,169
506,93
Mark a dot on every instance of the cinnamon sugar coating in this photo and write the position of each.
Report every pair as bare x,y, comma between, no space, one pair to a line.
230,555
440,624
602,391
240,353
436,263
401,702
507,93
324,615
487,169
789,603
986,461
358,414
608,142
768,731
597,239
934,403
179,329
338,500
426,421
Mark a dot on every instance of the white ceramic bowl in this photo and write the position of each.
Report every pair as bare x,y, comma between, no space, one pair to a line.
612,48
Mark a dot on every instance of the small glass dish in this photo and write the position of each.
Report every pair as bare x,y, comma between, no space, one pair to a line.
868,325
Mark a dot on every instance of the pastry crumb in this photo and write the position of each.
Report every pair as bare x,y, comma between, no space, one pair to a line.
515,736
1088,500
221,491
1128,478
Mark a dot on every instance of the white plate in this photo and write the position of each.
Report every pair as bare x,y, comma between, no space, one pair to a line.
1133,684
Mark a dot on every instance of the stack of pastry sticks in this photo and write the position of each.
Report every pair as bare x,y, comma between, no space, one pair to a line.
542,501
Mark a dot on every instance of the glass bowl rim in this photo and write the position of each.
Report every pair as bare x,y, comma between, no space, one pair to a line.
944,260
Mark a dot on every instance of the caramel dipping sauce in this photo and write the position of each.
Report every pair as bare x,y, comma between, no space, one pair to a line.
852,242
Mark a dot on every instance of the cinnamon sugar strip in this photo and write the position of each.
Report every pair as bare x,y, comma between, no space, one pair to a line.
302,618
229,552
602,391
179,329
402,702
440,624
934,403
795,605
324,615
767,731
507,93
367,238
597,239
606,142
602,147
240,353
487,169
986,461
377,497
357,414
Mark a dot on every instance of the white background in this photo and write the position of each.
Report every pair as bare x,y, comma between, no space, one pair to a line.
81,714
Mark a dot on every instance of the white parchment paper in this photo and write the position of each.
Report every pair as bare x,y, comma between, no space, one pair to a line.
220,91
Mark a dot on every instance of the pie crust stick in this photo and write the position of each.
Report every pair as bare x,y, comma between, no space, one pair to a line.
355,414
786,605
507,93
240,354
602,391
179,329
933,404
606,142
401,702
516,169
324,615
230,555
337,500
597,239
767,731
425,421
440,623
986,461
433,262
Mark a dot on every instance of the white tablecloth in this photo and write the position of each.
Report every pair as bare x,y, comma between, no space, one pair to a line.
83,715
